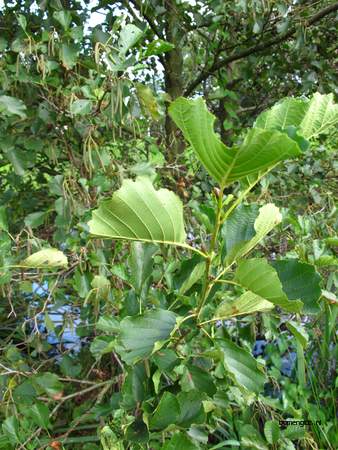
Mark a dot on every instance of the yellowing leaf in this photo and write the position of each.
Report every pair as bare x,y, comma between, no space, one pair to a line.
247,303
46,258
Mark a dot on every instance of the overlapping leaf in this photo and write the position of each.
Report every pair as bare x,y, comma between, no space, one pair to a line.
138,212
300,281
242,366
260,150
247,303
259,277
268,217
311,117
140,333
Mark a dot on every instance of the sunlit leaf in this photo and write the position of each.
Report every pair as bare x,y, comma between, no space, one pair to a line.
64,18
260,150
81,107
311,117
138,212
158,47
46,258
259,277
129,36
247,303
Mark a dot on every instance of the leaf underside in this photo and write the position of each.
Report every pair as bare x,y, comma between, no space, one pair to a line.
260,150
138,212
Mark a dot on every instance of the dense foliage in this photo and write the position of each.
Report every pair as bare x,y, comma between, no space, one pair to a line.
162,284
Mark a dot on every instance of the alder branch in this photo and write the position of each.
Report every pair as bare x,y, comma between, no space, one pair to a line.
255,49
141,9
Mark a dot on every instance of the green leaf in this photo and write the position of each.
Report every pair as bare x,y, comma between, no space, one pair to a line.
68,55
64,18
191,408
166,359
3,218
311,117
129,36
138,212
18,159
195,275
108,324
300,281
268,217
195,378
46,258
271,431
260,150
299,332
134,386
152,326
48,383
141,263
137,432
247,303
11,106
147,101
70,366
102,345
242,365
34,220
101,285
166,413
180,441
259,277
39,414
22,21
10,428
81,107
239,226
158,47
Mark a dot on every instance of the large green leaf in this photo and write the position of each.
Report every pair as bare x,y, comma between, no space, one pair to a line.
311,117
268,217
259,277
242,365
300,281
167,412
247,303
260,150
138,212
140,333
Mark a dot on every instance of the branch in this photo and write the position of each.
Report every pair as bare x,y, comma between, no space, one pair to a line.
150,21
141,9
255,49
